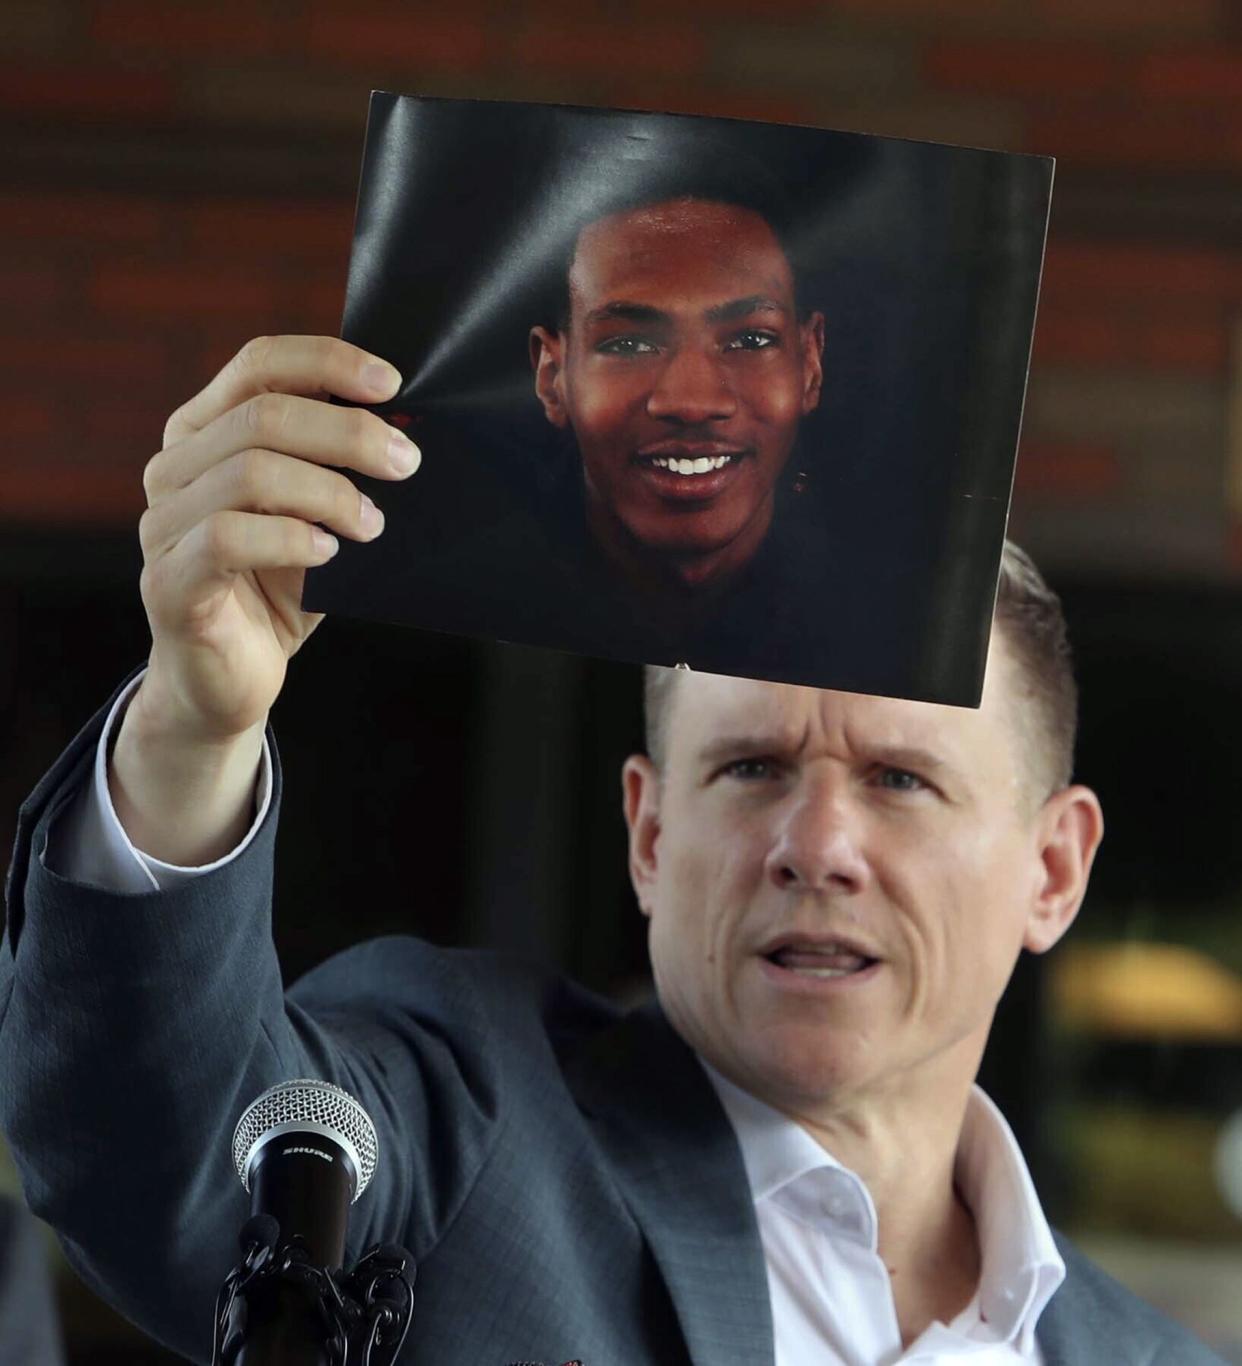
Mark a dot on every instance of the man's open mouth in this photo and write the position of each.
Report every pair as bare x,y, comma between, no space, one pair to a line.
820,959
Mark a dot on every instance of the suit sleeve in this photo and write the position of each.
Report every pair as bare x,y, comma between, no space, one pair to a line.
135,1028
28,1328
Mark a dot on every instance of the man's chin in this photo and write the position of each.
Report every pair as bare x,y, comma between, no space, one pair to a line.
796,1085
675,553
797,1064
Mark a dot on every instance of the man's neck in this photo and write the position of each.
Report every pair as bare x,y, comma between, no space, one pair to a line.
905,1153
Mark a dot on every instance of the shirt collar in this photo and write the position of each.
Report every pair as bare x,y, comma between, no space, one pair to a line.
1021,1267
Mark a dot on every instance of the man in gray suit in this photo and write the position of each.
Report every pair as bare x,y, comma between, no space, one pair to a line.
782,1161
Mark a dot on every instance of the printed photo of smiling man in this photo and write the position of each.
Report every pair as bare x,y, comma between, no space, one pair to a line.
695,391
683,366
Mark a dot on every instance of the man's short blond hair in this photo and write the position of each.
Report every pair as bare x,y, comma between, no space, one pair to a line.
1029,614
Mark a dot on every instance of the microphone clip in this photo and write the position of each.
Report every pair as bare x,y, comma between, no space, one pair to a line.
360,1317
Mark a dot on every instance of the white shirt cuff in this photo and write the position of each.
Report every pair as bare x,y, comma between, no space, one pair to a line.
89,844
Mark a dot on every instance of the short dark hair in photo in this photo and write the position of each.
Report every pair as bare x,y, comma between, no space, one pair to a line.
733,179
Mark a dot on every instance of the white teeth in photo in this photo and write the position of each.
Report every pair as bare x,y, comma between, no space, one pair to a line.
703,464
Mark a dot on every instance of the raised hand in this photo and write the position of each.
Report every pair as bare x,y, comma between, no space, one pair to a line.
238,499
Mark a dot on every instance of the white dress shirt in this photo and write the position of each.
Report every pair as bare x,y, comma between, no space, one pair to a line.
89,844
832,1303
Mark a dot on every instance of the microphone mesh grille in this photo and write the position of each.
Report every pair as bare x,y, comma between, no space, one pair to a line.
307,1100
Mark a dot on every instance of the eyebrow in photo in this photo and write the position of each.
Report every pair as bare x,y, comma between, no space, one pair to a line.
623,311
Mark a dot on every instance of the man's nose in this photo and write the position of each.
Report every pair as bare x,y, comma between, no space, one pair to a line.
692,387
818,843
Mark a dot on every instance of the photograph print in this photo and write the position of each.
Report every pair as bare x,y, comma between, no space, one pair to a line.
694,391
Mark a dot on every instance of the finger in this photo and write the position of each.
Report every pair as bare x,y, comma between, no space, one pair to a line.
261,481
226,544
309,366
306,428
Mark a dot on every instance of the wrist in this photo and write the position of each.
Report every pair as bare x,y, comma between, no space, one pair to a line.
182,796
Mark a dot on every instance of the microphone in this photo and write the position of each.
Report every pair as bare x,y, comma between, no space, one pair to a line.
305,1151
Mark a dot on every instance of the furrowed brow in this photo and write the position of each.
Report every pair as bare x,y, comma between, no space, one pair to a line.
905,757
726,747
743,308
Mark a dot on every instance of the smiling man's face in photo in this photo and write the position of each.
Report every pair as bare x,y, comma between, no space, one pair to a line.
683,371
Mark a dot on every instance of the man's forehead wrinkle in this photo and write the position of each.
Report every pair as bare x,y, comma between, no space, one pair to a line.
901,732
801,739
740,714
749,715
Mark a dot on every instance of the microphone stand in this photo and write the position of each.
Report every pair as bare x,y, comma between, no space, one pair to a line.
276,1308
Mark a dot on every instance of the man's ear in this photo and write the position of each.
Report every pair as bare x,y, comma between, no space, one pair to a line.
640,792
812,336
1071,826
547,359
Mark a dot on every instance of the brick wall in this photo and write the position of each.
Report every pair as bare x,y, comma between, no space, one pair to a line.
181,176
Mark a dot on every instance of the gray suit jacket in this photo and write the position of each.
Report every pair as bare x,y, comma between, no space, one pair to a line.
563,1173
29,1335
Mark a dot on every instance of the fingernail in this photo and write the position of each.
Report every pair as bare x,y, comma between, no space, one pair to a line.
404,457
326,545
372,518
381,378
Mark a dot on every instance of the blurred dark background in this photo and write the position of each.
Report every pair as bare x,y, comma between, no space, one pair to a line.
175,179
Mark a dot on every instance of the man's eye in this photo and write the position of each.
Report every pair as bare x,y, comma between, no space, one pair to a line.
753,339
900,780
750,770
626,346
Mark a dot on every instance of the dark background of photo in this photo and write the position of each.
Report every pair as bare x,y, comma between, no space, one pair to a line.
179,178
924,260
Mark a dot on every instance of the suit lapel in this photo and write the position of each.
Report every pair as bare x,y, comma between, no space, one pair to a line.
1055,1342
680,1170
1085,1322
